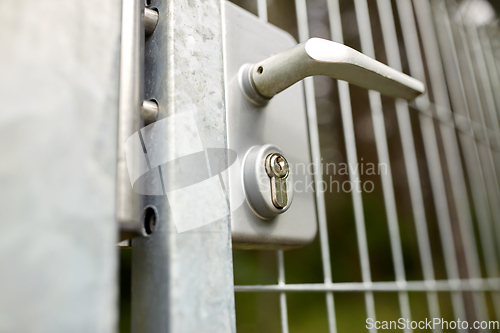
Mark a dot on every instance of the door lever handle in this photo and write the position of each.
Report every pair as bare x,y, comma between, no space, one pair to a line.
261,81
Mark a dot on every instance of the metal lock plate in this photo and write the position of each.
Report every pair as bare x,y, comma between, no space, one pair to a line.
282,122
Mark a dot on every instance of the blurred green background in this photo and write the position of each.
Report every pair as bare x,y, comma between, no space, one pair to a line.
259,312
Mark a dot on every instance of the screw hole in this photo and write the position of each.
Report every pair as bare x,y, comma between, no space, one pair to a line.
149,220
260,70
148,3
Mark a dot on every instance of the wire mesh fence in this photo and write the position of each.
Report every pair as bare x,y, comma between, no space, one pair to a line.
423,240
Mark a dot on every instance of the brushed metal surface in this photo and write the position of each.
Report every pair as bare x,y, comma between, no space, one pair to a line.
58,137
183,281
282,122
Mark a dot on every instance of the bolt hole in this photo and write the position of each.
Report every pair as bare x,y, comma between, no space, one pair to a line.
150,220
148,3
260,70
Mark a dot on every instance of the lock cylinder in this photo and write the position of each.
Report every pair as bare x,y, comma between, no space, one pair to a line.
278,170
267,181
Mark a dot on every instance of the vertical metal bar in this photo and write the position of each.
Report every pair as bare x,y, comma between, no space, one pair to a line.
491,32
438,86
352,158
410,157
312,120
492,66
495,86
492,188
281,282
59,92
131,97
183,282
457,93
480,199
262,9
492,71
375,99
482,62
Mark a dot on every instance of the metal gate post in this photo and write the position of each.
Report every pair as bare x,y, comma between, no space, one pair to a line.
58,121
183,282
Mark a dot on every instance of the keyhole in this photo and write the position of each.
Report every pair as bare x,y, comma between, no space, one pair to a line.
280,163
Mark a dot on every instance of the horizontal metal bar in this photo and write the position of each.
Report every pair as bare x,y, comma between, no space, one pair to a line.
490,284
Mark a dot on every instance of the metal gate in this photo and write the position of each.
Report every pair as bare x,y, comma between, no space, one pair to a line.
425,243
81,80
